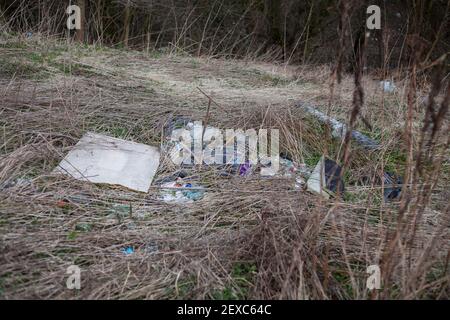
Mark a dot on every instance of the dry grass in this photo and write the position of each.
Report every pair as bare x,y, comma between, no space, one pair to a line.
249,237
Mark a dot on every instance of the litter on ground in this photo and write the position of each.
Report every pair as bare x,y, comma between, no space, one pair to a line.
180,192
128,250
387,86
339,129
392,186
151,248
326,179
199,136
17,183
102,159
245,169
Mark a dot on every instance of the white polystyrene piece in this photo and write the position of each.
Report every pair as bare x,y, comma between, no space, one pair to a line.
314,183
101,159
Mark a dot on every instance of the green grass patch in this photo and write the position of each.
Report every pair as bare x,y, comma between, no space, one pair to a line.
395,161
242,274
12,67
72,235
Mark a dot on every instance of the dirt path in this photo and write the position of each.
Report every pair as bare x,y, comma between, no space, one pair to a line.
228,82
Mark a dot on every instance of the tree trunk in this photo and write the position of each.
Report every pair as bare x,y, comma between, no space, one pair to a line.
79,35
100,30
149,31
126,25
273,15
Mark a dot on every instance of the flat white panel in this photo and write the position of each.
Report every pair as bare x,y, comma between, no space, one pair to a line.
101,159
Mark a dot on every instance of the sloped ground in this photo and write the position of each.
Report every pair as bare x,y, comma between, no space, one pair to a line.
248,237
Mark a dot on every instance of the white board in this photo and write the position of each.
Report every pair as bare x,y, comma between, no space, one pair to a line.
316,182
101,159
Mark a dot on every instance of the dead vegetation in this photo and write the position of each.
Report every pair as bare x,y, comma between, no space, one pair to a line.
248,237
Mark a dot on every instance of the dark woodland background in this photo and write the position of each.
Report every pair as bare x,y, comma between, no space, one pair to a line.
291,31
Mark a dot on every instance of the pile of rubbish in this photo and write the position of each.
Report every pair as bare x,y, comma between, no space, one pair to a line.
102,159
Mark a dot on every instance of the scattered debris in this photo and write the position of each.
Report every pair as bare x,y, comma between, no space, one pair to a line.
325,179
17,183
172,177
245,169
286,168
387,86
392,190
300,183
174,123
102,159
177,192
339,129
63,204
194,194
199,137
152,248
303,170
290,169
170,194
392,186
128,250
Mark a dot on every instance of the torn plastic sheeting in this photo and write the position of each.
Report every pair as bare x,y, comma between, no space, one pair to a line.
392,187
102,159
339,129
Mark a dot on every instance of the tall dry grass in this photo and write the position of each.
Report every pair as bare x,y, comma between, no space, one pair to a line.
249,237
